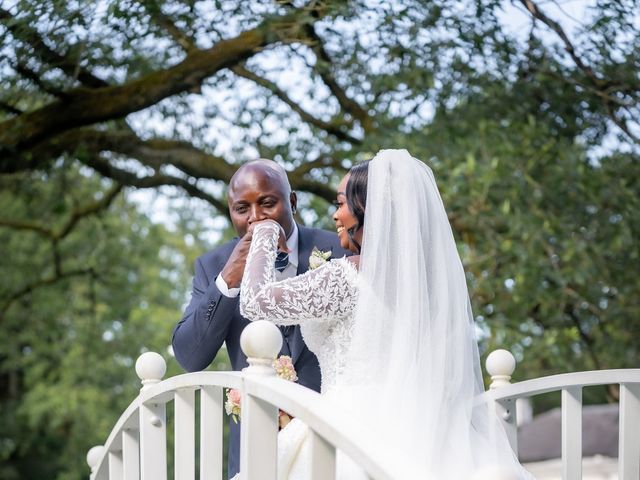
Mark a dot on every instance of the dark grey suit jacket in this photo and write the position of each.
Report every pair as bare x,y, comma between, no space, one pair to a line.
212,318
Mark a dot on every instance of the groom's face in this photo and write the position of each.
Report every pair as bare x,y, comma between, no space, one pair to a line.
258,193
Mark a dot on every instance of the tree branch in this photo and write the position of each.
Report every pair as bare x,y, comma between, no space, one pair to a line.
31,37
106,169
323,67
58,275
10,108
334,129
568,46
29,74
84,107
74,218
185,41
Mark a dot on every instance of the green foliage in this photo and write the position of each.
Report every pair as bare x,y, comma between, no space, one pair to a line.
534,140
69,344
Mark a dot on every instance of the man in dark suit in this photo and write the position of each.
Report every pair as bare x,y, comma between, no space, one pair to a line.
259,190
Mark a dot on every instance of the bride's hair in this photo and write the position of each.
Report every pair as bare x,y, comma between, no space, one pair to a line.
356,193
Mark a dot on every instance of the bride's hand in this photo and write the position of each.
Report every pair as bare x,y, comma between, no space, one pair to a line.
282,238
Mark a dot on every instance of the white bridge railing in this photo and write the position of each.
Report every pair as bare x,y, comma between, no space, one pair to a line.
136,448
501,364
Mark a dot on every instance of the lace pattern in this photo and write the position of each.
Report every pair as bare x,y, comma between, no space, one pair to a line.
322,301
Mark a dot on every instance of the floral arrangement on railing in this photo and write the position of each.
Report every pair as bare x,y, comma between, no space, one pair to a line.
283,365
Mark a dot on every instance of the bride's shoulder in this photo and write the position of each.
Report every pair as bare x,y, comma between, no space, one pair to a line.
348,263
354,260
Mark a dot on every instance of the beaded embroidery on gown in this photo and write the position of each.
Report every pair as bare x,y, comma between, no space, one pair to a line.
322,302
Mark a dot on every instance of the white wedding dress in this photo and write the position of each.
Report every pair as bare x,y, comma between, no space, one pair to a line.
322,302
395,340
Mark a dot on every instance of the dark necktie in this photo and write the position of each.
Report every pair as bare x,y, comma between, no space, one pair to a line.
282,260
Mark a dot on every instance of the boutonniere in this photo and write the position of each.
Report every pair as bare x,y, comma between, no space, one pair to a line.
318,258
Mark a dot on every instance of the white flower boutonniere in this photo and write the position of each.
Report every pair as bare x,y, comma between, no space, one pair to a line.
318,258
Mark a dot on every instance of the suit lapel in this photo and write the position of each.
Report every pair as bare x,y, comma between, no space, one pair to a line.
305,244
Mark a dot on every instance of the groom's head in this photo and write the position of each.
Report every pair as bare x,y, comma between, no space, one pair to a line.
260,190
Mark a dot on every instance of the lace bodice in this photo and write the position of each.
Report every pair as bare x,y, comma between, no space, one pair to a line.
322,301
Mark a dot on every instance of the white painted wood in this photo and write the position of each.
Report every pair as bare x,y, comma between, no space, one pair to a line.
331,426
629,436
572,433
153,442
258,439
335,425
150,368
94,456
185,435
554,383
131,454
115,465
211,433
507,413
500,364
323,458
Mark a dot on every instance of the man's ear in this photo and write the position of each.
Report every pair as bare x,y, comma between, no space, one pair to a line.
293,199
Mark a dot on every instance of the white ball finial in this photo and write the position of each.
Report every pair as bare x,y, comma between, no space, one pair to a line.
261,342
150,368
500,364
93,456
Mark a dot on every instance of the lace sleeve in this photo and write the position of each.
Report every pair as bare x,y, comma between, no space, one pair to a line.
321,294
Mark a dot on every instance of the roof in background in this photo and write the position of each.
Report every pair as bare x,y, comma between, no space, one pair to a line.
540,439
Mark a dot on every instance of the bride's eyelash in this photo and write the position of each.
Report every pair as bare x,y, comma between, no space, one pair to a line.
337,204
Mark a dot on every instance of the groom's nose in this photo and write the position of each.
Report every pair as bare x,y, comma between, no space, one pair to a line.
256,214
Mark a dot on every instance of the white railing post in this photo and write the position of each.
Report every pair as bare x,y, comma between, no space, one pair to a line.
130,454
501,364
572,433
150,368
185,434
211,428
115,465
629,434
260,341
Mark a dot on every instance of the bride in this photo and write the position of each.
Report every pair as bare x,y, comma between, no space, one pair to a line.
391,326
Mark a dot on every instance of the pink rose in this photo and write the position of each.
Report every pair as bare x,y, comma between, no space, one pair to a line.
235,396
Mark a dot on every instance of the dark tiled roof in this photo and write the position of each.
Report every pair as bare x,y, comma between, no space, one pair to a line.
540,439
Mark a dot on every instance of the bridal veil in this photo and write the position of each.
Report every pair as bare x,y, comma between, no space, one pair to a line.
413,369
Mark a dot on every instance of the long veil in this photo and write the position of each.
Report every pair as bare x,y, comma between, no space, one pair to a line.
413,368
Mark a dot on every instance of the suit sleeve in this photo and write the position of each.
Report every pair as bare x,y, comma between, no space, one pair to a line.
199,335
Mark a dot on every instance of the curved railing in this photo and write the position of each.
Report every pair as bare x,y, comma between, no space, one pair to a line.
501,365
137,446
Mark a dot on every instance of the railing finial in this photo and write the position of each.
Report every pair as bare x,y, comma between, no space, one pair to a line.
261,342
93,457
500,365
150,368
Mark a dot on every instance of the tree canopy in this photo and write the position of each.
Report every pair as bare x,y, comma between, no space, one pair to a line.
527,115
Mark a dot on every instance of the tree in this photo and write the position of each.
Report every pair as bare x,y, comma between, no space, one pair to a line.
533,138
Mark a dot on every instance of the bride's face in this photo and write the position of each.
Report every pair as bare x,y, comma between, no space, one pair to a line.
344,219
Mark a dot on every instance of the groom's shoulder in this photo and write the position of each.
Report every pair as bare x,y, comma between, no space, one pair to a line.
322,239
318,233
220,252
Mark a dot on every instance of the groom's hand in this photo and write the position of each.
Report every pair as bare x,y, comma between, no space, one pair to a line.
234,268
